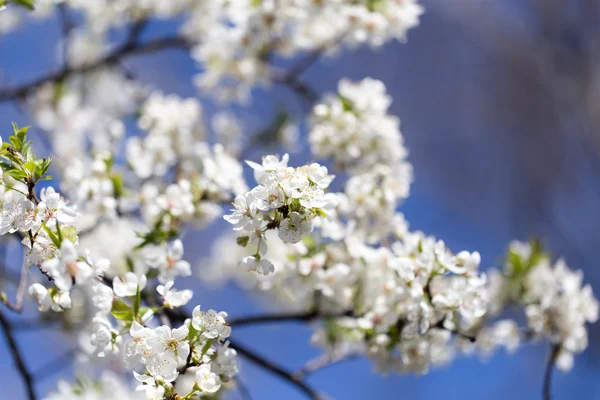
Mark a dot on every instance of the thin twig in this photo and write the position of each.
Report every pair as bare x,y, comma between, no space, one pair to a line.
547,387
275,369
18,358
470,338
323,362
18,306
305,63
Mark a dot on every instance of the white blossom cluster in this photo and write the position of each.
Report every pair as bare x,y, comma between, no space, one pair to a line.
412,294
355,130
556,304
118,321
235,38
107,386
141,168
173,126
286,199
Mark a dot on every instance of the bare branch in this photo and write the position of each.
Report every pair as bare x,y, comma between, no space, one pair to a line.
180,316
294,83
285,317
275,369
547,386
18,358
18,306
126,50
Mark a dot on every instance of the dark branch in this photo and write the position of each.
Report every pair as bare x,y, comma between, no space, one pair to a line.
547,387
286,317
440,325
179,316
129,48
18,358
296,84
275,369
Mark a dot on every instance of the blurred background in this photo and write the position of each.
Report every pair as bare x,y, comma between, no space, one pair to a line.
500,109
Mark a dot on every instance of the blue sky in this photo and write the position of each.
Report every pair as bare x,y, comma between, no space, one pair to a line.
460,194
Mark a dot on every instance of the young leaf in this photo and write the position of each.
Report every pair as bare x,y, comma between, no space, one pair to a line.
52,236
137,302
120,310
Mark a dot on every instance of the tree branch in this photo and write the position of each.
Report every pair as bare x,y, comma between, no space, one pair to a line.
547,386
18,306
284,317
322,362
180,316
129,48
18,358
294,83
275,369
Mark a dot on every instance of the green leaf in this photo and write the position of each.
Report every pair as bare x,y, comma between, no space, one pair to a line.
69,232
193,332
30,166
137,302
117,182
120,310
17,174
41,167
242,241
59,233
347,103
29,4
156,236
53,236
15,142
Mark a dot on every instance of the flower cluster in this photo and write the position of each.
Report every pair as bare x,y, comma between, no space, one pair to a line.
108,386
286,199
162,351
234,39
381,300
140,168
354,129
173,126
556,303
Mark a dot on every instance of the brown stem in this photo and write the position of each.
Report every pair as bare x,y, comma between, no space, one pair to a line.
547,386
18,306
18,358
